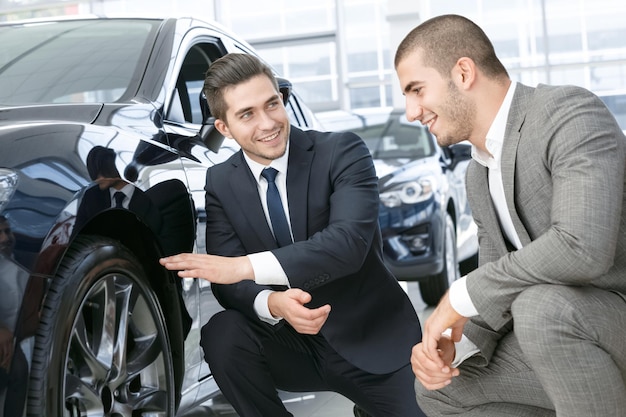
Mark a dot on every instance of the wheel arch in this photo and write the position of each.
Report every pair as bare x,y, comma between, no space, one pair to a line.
144,243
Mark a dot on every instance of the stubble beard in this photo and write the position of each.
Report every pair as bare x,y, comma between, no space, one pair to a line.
461,112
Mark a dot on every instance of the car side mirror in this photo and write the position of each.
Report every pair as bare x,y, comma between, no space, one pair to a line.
458,153
208,134
285,87
461,151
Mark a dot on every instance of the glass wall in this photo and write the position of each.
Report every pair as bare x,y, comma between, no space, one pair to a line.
338,55
555,41
335,52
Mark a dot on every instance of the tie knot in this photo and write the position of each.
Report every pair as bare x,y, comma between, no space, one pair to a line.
119,198
269,174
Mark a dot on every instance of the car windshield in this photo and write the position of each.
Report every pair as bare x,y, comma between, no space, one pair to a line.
82,61
398,138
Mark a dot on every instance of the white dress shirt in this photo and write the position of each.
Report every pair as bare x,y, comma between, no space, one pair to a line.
128,191
459,296
267,269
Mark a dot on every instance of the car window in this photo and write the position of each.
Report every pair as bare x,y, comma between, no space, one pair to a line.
185,104
398,138
56,62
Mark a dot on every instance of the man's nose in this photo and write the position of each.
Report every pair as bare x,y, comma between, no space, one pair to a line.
413,110
266,121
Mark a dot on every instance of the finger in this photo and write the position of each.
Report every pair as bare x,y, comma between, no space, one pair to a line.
436,385
322,311
174,265
430,378
189,273
304,297
429,347
316,317
172,259
457,331
182,261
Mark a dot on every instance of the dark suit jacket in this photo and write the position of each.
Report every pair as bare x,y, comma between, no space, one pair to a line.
333,205
96,200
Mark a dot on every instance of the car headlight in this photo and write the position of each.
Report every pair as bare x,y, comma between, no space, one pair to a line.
410,192
8,184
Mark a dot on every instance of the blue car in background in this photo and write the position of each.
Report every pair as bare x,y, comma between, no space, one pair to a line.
427,227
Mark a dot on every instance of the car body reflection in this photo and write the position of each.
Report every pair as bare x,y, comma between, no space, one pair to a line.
97,326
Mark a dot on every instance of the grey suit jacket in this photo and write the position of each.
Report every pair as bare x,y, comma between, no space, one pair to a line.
563,163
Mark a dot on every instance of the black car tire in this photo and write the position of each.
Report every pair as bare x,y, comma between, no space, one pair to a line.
433,288
102,347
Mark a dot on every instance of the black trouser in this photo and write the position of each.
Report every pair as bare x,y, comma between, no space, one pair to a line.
251,360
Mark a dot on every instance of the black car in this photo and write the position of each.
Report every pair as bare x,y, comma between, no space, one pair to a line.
90,323
428,231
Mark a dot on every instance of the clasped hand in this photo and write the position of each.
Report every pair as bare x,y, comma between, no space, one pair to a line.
431,360
290,305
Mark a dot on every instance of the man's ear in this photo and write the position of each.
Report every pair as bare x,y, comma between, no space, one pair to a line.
221,126
464,72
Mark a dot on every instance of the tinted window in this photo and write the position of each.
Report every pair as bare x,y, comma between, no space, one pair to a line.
71,61
398,138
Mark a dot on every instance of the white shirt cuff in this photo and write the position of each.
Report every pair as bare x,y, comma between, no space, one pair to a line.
460,299
267,269
462,349
262,309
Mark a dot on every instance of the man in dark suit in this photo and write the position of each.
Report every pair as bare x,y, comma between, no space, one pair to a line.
111,190
322,313
539,327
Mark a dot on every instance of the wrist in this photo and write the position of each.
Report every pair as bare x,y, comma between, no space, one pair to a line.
246,271
272,305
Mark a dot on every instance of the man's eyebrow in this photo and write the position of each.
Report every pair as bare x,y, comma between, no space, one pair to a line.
247,109
273,98
410,86
242,111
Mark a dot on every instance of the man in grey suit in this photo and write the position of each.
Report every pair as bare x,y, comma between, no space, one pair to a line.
316,310
539,328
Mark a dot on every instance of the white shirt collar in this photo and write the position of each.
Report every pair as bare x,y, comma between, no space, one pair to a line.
495,135
127,189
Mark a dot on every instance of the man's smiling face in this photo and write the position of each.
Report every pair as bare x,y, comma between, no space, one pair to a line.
435,101
256,119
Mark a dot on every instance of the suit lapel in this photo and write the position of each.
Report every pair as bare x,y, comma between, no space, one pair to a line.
246,193
481,202
298,171
517,113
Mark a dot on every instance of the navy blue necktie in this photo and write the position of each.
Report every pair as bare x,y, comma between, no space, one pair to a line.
275,209
119,198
